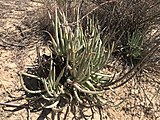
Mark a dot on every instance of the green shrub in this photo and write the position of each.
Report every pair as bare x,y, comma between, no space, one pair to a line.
76,58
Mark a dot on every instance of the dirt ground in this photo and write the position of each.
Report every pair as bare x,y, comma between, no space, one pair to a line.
19,35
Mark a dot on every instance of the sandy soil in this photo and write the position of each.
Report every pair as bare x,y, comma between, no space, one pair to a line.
19,34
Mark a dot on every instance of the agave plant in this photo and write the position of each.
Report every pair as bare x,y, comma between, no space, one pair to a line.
134,46
135,43
76,58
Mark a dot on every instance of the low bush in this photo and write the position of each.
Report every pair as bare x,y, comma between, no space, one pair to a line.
76,58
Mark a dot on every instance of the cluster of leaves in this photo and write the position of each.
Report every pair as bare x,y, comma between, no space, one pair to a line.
135,46
76,58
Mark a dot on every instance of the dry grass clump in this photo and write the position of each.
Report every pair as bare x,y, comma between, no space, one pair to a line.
128,23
